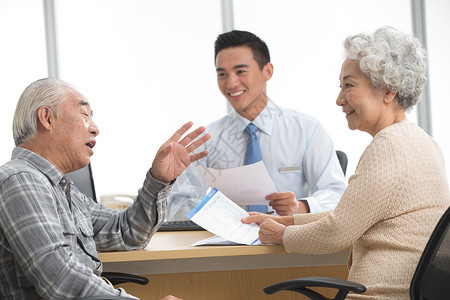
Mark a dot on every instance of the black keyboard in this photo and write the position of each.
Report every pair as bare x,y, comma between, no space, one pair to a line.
187,225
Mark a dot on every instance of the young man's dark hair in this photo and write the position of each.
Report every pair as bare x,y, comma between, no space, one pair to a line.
238,38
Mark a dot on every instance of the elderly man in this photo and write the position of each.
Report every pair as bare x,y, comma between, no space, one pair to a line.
49,230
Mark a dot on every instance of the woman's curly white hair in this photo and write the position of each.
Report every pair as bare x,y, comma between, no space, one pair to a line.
392,60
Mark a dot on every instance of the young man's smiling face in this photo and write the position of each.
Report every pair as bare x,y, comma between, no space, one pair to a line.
241,80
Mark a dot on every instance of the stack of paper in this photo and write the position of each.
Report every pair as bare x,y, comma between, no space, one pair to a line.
221,216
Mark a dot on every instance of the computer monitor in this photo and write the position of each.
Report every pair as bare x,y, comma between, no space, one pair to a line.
84,181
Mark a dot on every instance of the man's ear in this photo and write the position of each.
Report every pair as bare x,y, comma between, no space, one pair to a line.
45,117
268,71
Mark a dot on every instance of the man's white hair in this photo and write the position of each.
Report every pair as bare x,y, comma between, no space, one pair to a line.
49,92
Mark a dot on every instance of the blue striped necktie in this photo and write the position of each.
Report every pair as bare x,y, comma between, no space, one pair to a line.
253,155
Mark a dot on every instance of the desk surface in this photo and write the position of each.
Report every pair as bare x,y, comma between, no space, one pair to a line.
177,244
216,272
171,252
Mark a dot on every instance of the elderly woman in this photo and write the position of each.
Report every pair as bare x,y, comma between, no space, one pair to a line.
399,190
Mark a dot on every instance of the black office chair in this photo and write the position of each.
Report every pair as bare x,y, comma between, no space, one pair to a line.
432,277
118,278
343,160
430,281
103,298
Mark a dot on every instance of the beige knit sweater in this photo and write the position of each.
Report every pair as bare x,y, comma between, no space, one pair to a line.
386,215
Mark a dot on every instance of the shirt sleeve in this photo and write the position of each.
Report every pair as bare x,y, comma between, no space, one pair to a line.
366,200
132,228
29,219
323,173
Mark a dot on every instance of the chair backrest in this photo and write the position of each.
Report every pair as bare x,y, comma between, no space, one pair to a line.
343,160
431,279
84,181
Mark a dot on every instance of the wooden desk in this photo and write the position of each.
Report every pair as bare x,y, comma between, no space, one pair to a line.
216,272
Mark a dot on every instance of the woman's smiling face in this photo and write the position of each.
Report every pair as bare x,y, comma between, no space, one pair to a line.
362,104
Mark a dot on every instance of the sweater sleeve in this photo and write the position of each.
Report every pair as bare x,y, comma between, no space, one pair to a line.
364,203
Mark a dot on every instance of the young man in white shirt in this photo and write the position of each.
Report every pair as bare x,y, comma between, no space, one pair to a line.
297,152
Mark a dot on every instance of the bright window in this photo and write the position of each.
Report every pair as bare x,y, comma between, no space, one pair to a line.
305,41
438,42
22,60
147,67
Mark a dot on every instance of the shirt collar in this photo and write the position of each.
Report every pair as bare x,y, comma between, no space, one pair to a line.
264,120
40,163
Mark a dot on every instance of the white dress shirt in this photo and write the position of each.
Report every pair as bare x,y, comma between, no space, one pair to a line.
297,152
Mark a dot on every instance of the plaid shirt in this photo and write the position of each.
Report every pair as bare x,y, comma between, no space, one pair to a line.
50,231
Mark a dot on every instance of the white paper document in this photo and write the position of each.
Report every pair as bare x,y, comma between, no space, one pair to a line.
215,240
221,216
244,185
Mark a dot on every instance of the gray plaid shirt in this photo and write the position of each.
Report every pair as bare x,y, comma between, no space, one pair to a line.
50,231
